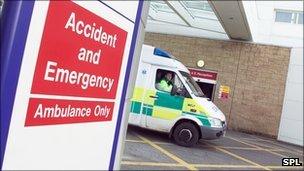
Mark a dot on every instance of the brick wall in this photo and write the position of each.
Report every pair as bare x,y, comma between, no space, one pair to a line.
256,75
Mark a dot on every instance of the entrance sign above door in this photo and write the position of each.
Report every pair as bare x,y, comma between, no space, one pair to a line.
203,75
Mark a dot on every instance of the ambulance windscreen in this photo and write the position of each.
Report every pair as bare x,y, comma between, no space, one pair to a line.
192,84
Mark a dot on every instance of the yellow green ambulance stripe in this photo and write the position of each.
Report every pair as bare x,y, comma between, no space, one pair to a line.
166,107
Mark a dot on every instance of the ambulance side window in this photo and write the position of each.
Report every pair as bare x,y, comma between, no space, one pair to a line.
165,80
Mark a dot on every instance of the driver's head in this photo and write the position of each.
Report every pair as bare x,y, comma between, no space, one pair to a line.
168,76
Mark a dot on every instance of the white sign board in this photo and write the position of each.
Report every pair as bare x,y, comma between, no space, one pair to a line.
71,88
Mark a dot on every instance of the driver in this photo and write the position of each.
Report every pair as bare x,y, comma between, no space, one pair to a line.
165,83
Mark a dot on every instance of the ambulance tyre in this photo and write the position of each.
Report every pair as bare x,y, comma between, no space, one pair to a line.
186,134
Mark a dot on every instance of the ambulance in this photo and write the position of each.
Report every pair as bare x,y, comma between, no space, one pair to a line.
183,112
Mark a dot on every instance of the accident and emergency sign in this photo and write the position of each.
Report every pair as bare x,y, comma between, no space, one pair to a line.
80,55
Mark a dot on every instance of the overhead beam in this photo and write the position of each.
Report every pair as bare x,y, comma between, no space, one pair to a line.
156,16
178,8
192,21
232,16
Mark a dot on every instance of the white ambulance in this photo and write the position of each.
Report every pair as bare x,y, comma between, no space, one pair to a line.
167,99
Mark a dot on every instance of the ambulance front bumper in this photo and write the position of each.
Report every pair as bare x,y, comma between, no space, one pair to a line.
210,133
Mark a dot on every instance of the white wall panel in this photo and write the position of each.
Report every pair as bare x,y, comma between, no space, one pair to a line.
291,131
294,110
291,126
294,91
296,74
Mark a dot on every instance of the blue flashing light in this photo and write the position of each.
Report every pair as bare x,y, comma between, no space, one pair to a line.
160,52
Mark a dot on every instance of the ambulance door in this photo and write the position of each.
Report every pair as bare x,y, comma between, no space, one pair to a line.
138,101
166,107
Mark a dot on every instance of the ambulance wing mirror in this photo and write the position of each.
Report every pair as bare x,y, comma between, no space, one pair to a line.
174,90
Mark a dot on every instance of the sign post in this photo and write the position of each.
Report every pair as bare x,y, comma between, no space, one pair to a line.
69,99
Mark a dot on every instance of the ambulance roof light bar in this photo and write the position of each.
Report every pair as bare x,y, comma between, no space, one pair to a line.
161,52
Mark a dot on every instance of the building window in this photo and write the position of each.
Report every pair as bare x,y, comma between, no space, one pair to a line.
283,17
293,17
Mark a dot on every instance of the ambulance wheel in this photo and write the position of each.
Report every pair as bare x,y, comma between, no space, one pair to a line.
186,134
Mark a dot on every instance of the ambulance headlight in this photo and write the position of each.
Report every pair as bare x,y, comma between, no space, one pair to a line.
215,122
